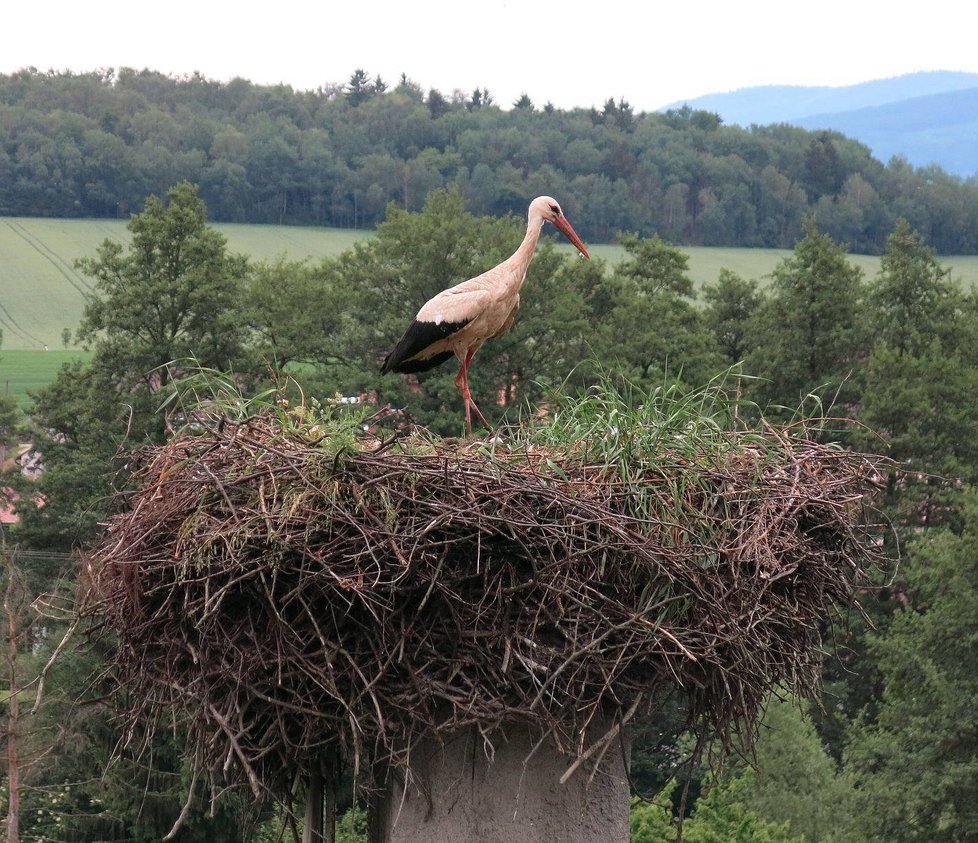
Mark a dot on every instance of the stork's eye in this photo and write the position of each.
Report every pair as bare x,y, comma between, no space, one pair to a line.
555,210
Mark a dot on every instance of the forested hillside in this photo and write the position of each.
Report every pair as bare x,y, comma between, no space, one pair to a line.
97,144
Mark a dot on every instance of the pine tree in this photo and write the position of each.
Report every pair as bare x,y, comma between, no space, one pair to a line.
810,334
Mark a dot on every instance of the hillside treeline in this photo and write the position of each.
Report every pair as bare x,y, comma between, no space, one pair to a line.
97,144
890,753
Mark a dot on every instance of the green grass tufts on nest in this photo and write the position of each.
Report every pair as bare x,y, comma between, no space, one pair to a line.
285,583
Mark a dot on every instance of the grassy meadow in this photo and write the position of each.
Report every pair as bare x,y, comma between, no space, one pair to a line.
41,293
26,370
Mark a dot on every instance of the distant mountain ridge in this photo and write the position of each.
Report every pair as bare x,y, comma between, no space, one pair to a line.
929,117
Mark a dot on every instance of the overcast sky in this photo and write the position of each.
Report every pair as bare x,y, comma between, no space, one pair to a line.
571,53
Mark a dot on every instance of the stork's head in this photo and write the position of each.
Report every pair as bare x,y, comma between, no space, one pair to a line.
548,209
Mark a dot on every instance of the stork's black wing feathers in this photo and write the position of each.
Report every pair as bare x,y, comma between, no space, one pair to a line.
417,338
409,366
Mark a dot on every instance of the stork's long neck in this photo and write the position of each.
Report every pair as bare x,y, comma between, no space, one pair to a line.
520,261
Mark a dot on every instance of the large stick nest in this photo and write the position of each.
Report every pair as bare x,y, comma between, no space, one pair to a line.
279,595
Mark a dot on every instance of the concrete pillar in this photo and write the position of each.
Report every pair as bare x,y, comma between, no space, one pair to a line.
456,794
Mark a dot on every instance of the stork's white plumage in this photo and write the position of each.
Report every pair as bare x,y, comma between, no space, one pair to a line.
460,319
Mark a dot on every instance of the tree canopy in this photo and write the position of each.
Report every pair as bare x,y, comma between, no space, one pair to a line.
96,144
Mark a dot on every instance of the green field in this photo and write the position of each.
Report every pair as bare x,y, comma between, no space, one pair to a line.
705,262
23,371
41,293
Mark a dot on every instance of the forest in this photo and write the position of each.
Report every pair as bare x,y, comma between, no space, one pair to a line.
889,750
96,144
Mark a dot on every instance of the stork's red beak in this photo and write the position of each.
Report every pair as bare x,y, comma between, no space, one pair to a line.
567,230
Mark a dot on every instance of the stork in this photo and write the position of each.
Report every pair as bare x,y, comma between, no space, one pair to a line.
457,321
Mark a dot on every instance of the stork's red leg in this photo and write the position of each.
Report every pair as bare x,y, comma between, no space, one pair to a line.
462,382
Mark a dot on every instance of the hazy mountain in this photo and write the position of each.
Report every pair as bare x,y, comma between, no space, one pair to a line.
939,129
927,117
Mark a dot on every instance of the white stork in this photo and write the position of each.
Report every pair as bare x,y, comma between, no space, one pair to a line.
460,319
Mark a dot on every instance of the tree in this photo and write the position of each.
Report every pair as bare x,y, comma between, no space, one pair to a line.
359,89
722,816
923,407
416,255
79,422
438,106
914,769
480,98
792,779
14,605
823,169
731,306
173,295
8,417
912,301
651,822
645,318
809,330
301,314
523,102
920,380
96,145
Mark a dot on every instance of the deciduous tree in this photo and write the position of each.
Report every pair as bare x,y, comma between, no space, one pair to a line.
172,296
645,318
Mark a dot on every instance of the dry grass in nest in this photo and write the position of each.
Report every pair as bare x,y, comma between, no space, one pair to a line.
282,587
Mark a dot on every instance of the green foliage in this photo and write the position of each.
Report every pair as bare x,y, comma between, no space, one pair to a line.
352,827
381,285
652,822
9,419
646,319
915,767
298,313
913,301
171,295
923,406
79,430
793,779
722,816
582,324
809,331
731,306
823,168
95,144
791,789
922,374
